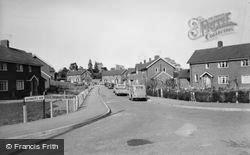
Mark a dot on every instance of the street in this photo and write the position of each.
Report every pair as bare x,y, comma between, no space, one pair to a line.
142,127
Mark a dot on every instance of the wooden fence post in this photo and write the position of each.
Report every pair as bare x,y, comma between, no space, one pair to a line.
24,112
237,94
51,109
67,106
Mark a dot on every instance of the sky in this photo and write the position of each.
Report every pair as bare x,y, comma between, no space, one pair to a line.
122,32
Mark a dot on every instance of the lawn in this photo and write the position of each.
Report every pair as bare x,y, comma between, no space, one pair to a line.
12,113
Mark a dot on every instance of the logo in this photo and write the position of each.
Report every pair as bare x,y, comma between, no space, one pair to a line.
210,28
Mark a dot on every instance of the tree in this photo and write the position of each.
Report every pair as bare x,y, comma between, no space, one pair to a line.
62,73
90,66
170,83
96,69
73,66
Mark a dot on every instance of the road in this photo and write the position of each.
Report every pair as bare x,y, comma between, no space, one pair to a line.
142,127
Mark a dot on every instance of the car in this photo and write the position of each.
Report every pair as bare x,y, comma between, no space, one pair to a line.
137,92
120,89
110,86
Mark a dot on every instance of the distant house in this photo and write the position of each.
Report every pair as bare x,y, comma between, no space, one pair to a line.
20,73
114,76
48,72
221,67
182,78
79,76
159,69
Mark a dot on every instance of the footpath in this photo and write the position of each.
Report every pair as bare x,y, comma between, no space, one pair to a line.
50,127
214,106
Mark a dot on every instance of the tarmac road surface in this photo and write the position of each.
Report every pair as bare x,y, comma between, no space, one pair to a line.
142,127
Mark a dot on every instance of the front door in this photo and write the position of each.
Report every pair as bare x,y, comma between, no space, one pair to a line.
207,81
34,87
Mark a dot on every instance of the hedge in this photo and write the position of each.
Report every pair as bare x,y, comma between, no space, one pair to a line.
204,96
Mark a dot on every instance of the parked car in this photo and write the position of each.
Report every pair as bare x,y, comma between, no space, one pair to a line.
111,86
120,89
137,92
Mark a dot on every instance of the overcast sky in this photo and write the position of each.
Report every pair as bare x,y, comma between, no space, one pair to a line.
114,31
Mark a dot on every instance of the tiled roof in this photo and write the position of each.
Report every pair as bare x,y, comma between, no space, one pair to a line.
73,73
113,72
143,66
130,70
225,53
12,55
183,74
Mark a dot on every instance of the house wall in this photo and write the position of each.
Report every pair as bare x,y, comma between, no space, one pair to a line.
234,71
12,75
151,71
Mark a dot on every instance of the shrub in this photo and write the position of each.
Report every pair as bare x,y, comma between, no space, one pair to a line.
203,96
243,97
184,95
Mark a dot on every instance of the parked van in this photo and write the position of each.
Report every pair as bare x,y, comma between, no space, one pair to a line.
137,92
120,89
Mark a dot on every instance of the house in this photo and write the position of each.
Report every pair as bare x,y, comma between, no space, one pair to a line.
47,72
20,73
114,76
159,69
182,79
79,76
221,67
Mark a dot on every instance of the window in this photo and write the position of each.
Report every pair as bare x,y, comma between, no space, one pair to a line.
164,69
207,66
223,79
3,67
156,69
19,85
19,68
196,78
245,79
3,85
30,69
222,64
245,63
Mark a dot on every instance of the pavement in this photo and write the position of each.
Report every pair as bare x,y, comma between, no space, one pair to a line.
47,128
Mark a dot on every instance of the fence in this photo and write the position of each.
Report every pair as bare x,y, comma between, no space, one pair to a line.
59,104
203,96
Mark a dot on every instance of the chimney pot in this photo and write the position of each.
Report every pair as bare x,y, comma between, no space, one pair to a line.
144,61
5,43
149,59
140,62
220,44
157,56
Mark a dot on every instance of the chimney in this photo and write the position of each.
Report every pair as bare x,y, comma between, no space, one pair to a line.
220,44
144,61
157,56
149,59
5,43
140,62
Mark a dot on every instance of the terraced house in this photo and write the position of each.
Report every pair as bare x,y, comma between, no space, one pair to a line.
81,76
221,67
20,73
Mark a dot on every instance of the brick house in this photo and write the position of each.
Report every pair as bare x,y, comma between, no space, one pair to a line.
20,73
80,76
47,71
114,76
159,69
221,67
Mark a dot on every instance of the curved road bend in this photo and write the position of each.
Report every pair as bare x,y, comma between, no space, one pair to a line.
142,127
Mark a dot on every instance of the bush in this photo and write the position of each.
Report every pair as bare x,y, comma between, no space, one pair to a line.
203,96
184,95
243,97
